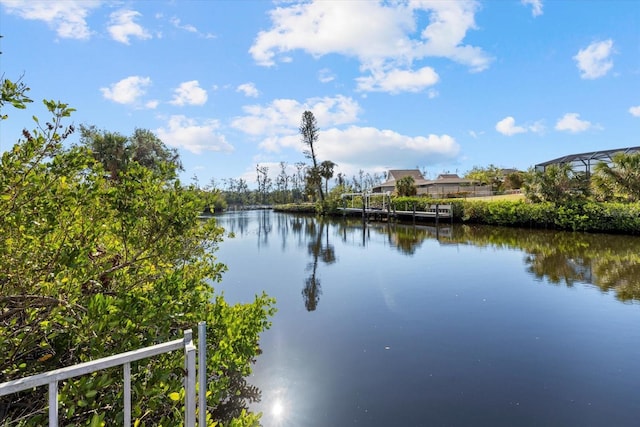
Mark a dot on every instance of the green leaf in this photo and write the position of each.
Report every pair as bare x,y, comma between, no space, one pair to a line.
95,421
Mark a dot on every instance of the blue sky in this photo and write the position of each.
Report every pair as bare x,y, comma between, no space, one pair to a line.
439,85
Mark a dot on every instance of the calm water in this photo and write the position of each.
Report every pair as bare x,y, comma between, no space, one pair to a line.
391,325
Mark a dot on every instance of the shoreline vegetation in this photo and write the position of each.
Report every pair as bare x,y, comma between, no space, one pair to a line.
101,254
582,216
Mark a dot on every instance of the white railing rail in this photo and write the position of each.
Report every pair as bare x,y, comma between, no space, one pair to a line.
51,378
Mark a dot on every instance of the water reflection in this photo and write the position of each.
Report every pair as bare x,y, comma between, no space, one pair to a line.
320,249
415,319
264,228
610,262
237,223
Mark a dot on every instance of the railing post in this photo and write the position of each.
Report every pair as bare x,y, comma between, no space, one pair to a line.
53,404
189,380
127,394
202,374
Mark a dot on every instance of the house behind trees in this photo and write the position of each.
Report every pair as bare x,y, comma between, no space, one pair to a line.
445,185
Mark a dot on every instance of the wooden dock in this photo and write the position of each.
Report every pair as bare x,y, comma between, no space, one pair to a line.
378,207
435,212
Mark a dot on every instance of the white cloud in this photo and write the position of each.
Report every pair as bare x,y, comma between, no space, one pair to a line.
432,93
594,60
396,81
176,22
127,90
383,36
507,126
152,105
277,126
635,111
189,93
283,116
448,26
186,133
122,26
325,75
249,89
68,18
537,127
371,146
536,6
571,122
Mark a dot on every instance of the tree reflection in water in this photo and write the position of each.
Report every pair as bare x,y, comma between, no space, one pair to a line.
610,262
319,251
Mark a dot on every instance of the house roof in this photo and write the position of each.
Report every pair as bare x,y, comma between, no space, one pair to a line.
449,178
587,159
395,175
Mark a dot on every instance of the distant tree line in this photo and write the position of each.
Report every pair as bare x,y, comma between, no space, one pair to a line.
298,183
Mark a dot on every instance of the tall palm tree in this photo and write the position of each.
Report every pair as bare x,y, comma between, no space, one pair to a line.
326,171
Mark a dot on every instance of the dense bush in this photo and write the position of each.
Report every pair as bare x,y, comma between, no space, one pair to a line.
576,216
296,208
409,203
93,266
579,215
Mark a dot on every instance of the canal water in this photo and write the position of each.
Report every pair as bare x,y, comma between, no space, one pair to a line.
413,325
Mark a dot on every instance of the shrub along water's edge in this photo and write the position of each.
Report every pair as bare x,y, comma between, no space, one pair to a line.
607,217
587,216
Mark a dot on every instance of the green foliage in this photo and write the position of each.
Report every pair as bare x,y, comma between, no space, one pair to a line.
406,186
313,181
14,93
212,200
610,217
309,208
332,201
574,216
408,203
491,175
558,184
94,267
620,180
116,152
310,133
507,213
326,172
513,181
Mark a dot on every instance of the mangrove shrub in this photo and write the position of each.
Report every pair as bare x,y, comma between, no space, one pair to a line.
93,266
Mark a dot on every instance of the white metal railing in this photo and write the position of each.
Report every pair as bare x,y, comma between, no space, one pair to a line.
124,359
